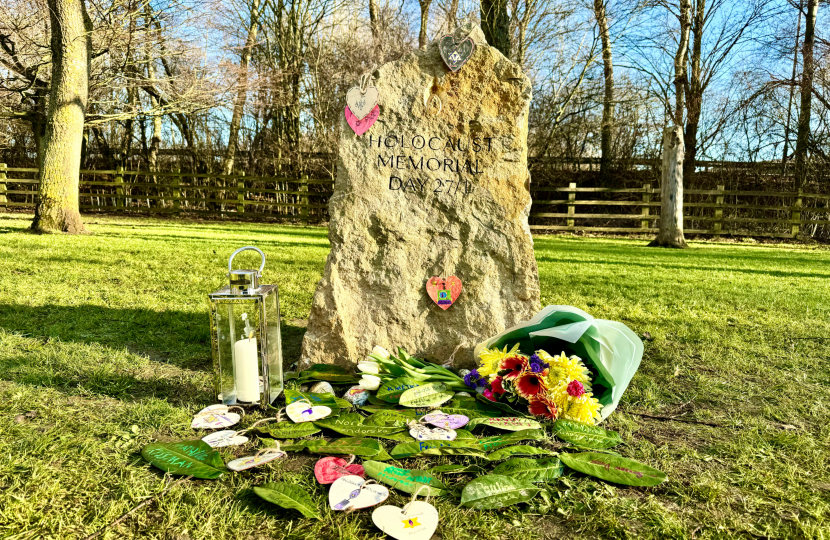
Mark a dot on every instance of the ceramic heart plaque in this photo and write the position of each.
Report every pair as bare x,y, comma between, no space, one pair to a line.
362,102
214,417
303,411
329,469
456,53
415,521
361,126
424,433
229,437
446,421
353,493
249,462
444,291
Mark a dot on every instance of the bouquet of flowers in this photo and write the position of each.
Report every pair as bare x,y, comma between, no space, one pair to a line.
549,386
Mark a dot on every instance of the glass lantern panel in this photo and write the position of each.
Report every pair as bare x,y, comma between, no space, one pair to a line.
273,344
238,342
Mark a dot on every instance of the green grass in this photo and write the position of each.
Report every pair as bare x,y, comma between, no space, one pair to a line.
106,337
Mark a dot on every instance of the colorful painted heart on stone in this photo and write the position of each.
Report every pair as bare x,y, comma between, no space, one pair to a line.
214,417
228,437
248,462
362,103
415,521
456,53
444,291
446,421
353,493
422,432
361,126
303,411
330,469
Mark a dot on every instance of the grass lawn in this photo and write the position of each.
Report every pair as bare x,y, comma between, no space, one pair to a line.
106,337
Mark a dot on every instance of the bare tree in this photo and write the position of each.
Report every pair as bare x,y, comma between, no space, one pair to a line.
607,127
423,39
808,71
495,23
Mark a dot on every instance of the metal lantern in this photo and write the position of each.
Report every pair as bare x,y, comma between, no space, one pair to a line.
245,337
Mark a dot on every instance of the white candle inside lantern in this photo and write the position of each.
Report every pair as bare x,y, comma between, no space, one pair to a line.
246,365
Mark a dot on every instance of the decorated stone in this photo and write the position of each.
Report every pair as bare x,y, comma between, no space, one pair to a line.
329,469
303,411
322,387
357,396
354,493
422,195
444,291
416,521
229,437
456,52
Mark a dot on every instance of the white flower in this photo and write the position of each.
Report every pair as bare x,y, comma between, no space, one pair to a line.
369,382
369,366
380,351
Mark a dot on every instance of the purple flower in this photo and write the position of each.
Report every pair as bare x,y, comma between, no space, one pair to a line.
473,379
537,365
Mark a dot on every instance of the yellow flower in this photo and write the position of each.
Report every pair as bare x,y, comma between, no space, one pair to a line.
561,368
583,409
491,358
559,394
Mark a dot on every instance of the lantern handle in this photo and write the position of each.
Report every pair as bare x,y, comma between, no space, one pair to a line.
240,250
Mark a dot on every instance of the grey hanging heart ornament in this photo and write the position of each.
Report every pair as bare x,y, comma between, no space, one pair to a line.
456,52
362,99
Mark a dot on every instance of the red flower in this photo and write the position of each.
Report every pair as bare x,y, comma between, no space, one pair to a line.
489,395
529,384
498,389
515,365
575,389
542,405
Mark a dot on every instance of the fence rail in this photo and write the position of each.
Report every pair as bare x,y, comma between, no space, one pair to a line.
782,214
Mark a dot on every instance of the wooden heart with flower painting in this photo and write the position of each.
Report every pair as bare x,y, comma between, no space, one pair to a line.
444,291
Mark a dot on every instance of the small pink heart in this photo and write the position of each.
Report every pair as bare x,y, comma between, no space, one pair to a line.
362,126
439,419
330,469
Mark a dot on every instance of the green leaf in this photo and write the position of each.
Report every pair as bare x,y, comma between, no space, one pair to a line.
391,418
390,391
454,468
518,450
352,445
502,406
329,400
426,395
353,425
531,470
463,435
288,430
435,448
288,496
615,469
404,479
584,435
326,372
512,423
374,400
492,443
496,491
195,458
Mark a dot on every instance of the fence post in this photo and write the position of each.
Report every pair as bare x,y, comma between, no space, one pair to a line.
3,198
177,195
571,208
304,198
795,215
240,194
119,188
718,225
646,209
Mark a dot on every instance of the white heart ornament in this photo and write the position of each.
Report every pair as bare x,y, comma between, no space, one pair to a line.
228,437
249,462
424,433
214,417
361,103
353,493
415,521
302,411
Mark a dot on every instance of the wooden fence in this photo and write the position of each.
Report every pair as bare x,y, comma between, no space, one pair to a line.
718,211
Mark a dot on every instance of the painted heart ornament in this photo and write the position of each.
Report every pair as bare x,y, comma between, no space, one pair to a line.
330,469
303,411
446,421
456,53
444,291
361,126
415,521
362,102
228,437
425,433
353,493
249,462
215,417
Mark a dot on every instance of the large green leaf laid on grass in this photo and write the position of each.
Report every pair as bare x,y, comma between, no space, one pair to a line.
585,435
492,443
326,372
615,469
436,448
404,479
288,496
496,491
369,448
507,423
390,391
426,395
353,425
518,450
454,468
195,458
391,418
288,430
328,400
531,470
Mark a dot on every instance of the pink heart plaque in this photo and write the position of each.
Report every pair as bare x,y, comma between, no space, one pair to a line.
444,291
439,419
362,126
330,469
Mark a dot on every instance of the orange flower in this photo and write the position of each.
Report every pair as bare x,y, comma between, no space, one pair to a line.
542,405
514,365
529,384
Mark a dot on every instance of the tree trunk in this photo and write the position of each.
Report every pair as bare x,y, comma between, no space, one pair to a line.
608,98
242,94
694,100
671,191
802,140
495,24
452,16
786,151
57,208
681,60
374,20
422,36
